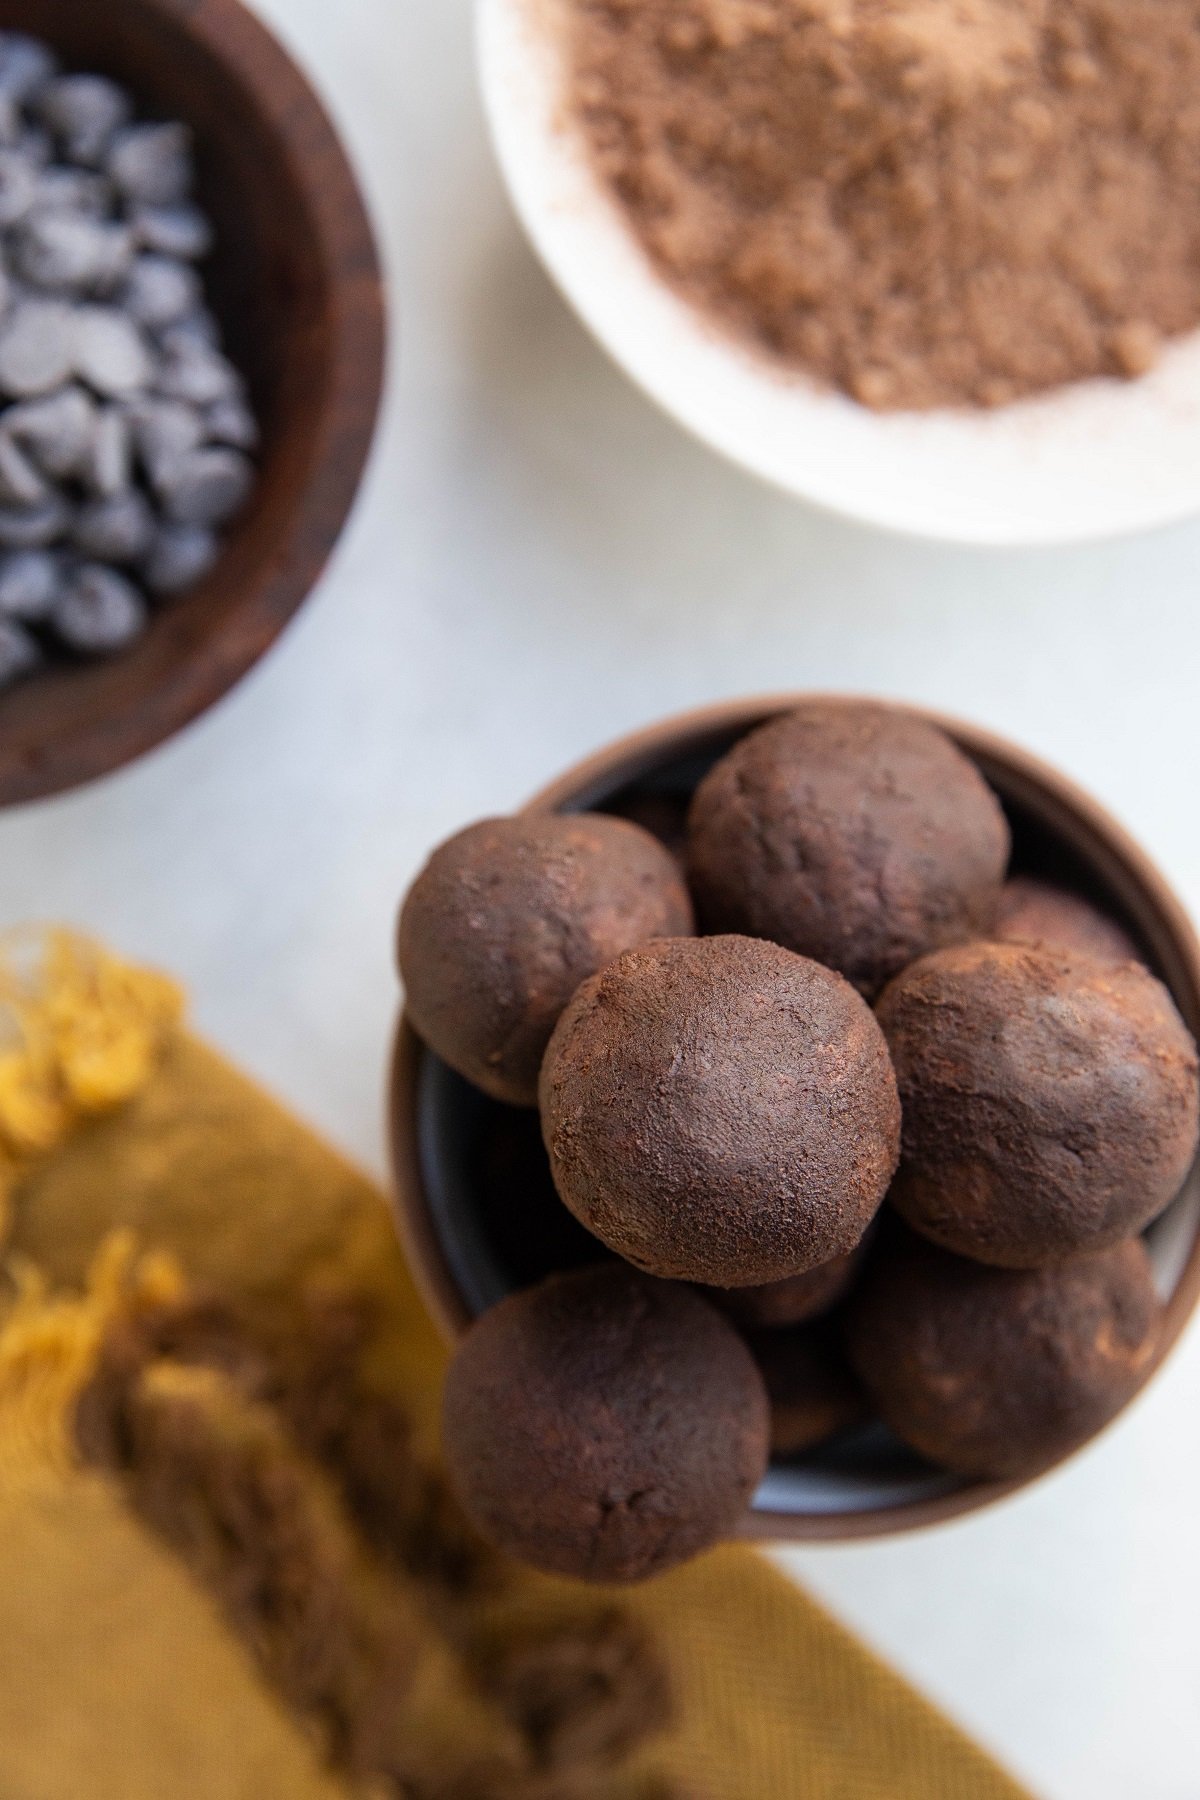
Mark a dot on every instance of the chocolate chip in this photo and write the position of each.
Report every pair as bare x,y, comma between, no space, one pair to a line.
36,145
62,189
20,653
21,483
57,431
18,187
199,331
160,290
109,465
84,111
231,422
207,486
37,347
99,611
195,374
64,252
119,530
180,556
34,527
11,123
164,433
173,230
109,351
152,163
26,64
29,583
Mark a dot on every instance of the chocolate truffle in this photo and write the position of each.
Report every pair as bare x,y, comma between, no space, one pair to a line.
794,1301
507,919
1053,918
661,812
813,1392
1050,1101
996,1373
720,1110
605,1426
850,832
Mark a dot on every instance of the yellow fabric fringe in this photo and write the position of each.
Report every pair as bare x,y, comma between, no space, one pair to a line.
80,1032
48,1350
118,1677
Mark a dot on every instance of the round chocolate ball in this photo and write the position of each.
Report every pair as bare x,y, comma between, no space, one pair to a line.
1039,912
720,1110
605,1426
997,1373
814,1394
850,832
779,1304
507,919
1050,1101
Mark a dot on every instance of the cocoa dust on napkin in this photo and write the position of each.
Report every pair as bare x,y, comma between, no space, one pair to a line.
922,202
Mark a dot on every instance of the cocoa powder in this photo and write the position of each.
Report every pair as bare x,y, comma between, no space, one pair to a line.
923,202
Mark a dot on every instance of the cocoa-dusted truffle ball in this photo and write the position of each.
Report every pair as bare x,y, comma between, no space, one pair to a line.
997,1373
813,1392
507,919
604,1425
1053,918
794,1301
1050,1101
719,1110
852,833
663,813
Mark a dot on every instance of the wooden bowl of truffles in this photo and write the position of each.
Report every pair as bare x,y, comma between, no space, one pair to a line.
191,359
865,1037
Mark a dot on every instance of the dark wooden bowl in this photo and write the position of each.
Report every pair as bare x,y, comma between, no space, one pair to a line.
295,281
454,1151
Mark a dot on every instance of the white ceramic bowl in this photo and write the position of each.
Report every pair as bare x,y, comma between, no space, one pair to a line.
1091,461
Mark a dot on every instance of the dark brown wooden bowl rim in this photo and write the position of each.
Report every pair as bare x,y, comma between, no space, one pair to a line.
342,432
1110,850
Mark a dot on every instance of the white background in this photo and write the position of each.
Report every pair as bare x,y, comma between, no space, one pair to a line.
540,562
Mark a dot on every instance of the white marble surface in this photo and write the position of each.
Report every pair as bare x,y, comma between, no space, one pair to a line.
540,562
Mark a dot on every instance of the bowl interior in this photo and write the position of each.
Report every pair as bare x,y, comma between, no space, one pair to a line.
1098,458
493,1222
292,273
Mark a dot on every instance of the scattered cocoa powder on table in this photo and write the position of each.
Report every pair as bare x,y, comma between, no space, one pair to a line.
923,202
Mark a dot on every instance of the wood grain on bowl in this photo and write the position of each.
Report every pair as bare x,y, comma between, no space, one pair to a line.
466,1253
295,281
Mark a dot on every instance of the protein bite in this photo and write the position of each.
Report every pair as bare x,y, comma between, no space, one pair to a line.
779,1304
853,833
813,1392
720,1110
509,917
1040,912
1050,1101
997,1373
605,1426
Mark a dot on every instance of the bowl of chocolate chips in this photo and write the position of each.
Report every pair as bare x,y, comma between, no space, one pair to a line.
191,346
794,1118
930,265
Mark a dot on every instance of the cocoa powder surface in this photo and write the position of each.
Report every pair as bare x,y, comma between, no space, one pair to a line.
922,202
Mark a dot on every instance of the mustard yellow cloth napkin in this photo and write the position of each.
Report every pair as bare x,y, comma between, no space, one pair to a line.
228,1569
